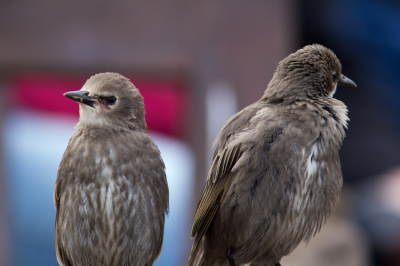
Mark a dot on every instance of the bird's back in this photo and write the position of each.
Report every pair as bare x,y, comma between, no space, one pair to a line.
270,192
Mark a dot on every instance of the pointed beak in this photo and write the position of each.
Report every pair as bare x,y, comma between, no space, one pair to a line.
345,81
81,97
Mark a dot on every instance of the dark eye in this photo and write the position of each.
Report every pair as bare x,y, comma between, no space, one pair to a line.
111,100
334,77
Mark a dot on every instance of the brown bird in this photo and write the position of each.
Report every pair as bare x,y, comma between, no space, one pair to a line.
111,193
276,174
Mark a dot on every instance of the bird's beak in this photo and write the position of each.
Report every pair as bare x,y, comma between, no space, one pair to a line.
81,97
345,81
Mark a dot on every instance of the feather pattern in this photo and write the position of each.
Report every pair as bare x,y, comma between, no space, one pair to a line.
218,182
113,206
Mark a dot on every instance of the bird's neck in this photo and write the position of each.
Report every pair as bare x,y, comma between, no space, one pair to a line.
337,109
105,130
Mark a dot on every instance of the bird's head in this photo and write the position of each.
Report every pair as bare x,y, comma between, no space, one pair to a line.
311,72
110,99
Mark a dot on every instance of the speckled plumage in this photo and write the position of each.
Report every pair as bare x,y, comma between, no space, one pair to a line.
276,174
111,193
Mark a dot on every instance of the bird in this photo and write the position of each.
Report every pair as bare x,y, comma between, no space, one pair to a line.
275,175
111,194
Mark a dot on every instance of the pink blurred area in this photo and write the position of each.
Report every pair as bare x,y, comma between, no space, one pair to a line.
166,100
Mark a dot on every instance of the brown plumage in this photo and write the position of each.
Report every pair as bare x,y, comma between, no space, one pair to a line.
276,174
111,193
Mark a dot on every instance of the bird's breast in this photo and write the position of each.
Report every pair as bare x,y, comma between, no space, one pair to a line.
317,192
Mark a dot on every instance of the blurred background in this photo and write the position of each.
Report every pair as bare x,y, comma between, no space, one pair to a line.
196,64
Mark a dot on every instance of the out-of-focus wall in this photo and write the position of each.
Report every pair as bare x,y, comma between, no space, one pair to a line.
239,42
5,223
220,40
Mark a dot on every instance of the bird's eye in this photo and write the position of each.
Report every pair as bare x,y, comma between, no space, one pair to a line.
111,100
334,76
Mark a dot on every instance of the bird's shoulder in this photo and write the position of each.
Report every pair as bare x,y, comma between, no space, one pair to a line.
255,123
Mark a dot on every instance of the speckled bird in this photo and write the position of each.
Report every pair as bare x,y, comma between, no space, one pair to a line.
111,193
275,175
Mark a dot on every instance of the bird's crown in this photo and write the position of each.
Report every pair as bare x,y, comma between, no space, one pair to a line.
311,72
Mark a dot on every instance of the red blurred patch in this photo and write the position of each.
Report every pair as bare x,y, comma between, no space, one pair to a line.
166,100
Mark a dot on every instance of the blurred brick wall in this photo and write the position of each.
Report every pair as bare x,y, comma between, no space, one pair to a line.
238,41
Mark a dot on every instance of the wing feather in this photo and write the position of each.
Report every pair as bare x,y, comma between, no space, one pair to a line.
218,182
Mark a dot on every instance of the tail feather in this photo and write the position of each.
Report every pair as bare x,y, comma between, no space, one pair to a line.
201,260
